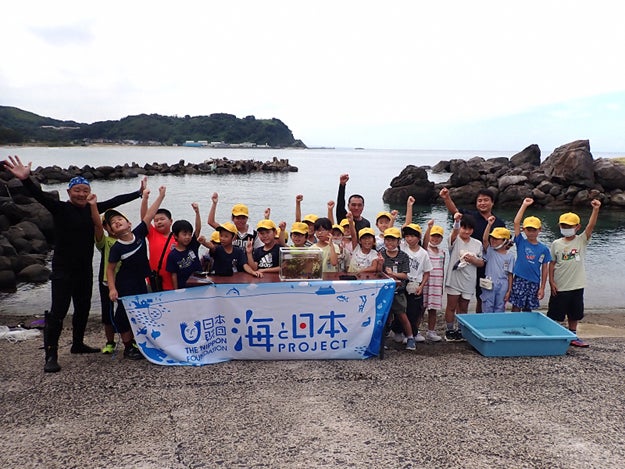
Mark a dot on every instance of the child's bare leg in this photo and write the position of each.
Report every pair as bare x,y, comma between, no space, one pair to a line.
450,308
431,319
463,305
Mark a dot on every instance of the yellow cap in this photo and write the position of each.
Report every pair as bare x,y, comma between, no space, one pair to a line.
299,227
500,233
437,230
392,232
310,218
411,227
366,231
383,214
240,209
344,222
266,225
532,222
338,227
215,237
569,218
228,226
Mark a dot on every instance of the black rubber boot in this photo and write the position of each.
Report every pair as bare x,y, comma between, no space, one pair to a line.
51,334
52,364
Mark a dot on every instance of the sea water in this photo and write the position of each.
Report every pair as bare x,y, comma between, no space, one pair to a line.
370,173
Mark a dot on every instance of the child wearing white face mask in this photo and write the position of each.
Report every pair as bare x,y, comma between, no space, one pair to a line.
433,291
497,283
567,276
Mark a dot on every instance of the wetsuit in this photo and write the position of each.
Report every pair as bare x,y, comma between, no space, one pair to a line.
72,262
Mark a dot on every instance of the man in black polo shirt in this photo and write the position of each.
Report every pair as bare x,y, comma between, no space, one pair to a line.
355,204
484,204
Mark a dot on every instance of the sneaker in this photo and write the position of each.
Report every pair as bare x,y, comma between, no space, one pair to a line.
133,353
410,344
450,335
579,343
419,337
82,348
432,336
459,337
109,348
399,337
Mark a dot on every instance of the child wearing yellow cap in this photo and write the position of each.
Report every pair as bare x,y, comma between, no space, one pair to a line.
531,268
497,281
364,257
567,275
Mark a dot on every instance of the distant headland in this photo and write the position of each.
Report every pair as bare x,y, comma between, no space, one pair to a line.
18,127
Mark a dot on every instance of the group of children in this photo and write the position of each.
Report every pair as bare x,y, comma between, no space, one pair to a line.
419,262
519,280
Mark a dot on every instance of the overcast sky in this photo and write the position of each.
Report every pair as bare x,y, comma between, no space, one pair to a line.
483,75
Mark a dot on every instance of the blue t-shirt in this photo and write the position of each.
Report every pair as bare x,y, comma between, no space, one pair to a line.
184,263
530,258
498,264
267,259
130,279
228,263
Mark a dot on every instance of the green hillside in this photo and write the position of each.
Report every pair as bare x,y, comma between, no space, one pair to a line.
23,127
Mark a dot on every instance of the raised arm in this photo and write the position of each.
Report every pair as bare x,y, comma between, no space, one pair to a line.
198,220
331,211
409,203
486,235
211,213
92,200
456,228
340,197
124,198
426,235
592,221
147,219
518,219
449,203
298,207
352,229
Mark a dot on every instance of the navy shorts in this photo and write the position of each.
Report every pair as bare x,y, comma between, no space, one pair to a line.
524,294
567,304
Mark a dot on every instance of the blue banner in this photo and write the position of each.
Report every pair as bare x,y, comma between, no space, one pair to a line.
262,321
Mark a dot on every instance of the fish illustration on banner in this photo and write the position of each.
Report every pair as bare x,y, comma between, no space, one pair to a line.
262,321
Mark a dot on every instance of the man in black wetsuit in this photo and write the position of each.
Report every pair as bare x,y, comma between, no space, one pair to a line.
72,268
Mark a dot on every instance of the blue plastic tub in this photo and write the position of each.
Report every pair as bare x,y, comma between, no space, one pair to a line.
515,334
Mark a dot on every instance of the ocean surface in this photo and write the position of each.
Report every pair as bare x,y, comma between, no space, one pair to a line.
370,172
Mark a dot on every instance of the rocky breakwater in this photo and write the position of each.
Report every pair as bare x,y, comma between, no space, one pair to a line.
26,227
26,233
569,177
55,174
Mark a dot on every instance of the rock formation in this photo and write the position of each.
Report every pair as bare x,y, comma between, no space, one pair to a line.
569,177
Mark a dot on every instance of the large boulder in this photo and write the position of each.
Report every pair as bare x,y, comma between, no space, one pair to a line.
571,163
610,174
34,273
412,181
528,156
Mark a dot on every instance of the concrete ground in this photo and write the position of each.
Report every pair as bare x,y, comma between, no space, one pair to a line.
441,406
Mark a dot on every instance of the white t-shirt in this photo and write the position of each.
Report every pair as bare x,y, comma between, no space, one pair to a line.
419,262
360,261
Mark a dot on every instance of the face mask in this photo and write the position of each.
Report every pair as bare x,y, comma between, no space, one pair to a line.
392,250
435,244
566,232
499,246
